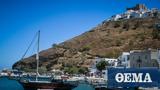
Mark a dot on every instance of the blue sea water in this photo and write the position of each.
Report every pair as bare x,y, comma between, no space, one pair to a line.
7,84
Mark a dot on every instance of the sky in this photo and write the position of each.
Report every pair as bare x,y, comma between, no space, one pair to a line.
58,20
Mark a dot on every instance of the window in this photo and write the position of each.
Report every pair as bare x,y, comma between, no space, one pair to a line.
139,57
104,73
139,65
123,59
145,56
127,57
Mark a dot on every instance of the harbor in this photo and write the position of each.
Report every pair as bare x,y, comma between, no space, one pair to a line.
47,45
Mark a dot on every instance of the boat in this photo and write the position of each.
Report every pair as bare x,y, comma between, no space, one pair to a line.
50,83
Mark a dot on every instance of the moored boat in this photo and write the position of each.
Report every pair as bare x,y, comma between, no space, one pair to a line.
54,84
49,83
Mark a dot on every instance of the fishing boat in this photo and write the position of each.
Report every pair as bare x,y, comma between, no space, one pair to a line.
48,83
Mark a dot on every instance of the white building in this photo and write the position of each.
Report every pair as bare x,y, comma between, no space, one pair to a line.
124,59
155,56
111,61
146,14
116,17
135,14
158,59
143,58
139,11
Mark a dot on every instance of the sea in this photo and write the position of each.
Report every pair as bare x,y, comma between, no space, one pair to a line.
8,84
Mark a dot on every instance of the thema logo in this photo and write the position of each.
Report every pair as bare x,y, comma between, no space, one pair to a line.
133,77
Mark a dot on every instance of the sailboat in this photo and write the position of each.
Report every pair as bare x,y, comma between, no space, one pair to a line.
53,84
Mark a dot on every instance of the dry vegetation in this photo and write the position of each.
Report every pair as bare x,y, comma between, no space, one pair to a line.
106,40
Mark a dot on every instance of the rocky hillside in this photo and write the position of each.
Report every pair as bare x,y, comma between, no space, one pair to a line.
108,39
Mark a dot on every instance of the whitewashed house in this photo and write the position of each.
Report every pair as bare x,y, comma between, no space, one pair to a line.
116,17
139,11
155,57
111,61
146,14
127,14
136,14
124,59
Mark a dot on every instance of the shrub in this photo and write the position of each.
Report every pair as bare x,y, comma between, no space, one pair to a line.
126,26
156,31
117,24
101,65
131,43
71,70
82,70
85,48
118,42
137,25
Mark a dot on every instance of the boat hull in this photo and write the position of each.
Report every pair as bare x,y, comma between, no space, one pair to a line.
54,86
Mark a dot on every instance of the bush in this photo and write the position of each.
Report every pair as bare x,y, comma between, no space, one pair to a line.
142,38
138,23
85,48
71,70
83,70
28,70
118,42
101,65
131,43
117,24
126,26
156,31
75,70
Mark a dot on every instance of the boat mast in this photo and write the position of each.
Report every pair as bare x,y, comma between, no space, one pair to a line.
37,55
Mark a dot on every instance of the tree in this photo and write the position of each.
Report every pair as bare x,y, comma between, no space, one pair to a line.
102,65
71,70
82,70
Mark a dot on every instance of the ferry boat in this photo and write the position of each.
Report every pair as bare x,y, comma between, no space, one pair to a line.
37,83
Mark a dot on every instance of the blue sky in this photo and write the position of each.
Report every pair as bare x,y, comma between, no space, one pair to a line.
58,20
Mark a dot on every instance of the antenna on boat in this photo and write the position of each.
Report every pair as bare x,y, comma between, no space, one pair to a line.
37,55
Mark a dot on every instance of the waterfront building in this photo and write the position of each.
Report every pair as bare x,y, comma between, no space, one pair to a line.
111,61
124,59
155,57
141,58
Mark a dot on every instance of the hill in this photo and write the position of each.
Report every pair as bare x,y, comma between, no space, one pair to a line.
108,39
